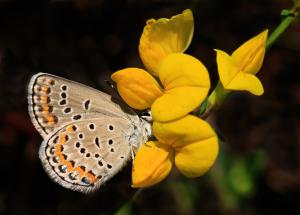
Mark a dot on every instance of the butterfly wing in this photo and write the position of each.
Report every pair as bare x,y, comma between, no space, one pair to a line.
83,155
87,136
54,101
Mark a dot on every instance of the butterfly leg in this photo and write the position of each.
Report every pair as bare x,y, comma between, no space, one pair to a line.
132,153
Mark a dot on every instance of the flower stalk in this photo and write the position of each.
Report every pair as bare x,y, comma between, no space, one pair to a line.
288,17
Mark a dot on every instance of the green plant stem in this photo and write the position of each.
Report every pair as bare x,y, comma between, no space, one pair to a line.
285,23
127,205
217,97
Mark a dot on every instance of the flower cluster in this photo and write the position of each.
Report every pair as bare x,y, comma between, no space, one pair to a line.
172,87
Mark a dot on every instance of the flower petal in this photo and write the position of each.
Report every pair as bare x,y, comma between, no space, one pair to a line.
151,165
226,67
165,36
179,70
183,131
186,82
177,102
195,159
232,78
248,82
250,55
137,87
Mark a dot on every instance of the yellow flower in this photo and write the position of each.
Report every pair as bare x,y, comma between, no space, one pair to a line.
165,36
184,80
237,72
189,142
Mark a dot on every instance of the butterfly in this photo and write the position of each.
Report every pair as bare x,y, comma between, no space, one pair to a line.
88,135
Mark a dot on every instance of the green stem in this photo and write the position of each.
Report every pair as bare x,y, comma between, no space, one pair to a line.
124,209
285,23
216,98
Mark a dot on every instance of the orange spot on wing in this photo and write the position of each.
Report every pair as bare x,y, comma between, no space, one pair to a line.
62,139
58,151
69,165
45,109
80,171
91,177
44,99
50,81
70,129
45,90
50,119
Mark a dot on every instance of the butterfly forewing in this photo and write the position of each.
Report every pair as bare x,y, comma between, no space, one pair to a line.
83,155
54,101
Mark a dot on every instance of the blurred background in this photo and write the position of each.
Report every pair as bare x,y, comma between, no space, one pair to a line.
258,168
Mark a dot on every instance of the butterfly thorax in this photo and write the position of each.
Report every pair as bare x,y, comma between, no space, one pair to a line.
140,135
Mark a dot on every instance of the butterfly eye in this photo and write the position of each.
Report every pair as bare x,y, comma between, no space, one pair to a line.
146,115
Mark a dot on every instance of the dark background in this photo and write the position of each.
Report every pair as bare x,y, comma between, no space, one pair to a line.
258,169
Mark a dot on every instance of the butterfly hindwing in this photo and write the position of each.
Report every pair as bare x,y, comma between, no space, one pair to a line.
83,155
54,101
